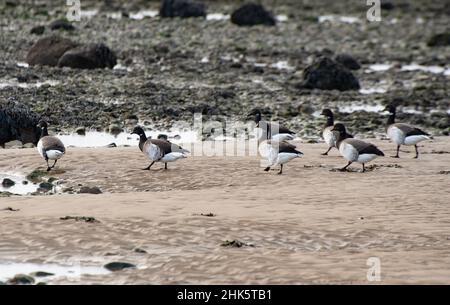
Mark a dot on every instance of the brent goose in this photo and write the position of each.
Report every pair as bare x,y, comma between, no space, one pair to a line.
158,150
403,134
271,131
49,147
354,150
329,136
281,153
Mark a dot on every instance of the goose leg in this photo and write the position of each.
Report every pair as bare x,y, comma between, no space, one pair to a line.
364,168
48,166
281,170
345,167
417,151
165,165
54,164
148,167
326,153
398,149
267,169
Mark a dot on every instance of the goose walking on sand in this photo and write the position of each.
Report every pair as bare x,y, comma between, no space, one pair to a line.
49,147
158,150
271,131
354,150
281,153
403,134
329,136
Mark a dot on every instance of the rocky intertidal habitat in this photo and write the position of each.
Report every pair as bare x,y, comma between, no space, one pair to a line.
123,63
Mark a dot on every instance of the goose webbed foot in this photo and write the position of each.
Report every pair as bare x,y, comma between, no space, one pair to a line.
281,170
396,156
148,167
49,169
267,169
417,152
326,153
344,169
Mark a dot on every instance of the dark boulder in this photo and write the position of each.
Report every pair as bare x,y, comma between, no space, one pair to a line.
439,40
18,122
48,50
61,24
8,183
348,61
326,74
90,190
21,279
182,8
118,266
90,56
38,30
252,14
387,5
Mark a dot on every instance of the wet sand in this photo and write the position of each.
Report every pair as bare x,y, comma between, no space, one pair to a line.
310,225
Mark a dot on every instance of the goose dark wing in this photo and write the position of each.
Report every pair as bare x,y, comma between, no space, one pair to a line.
409,130
285,147
164,146
364,147
52,143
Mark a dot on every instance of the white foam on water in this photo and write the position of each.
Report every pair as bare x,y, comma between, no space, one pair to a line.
217,16
372,90
88,13
15,83
9,269
361,107
119,66
114,15
430,69
204,60
19,188
144,14
282,18
23,64
342,19
282,65
380,67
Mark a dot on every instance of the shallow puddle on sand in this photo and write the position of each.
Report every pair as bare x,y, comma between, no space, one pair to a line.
101,139
10,269
19,188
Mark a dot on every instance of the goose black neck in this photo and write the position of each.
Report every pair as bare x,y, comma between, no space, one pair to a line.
44,132
142,138
342,136
391,119
330,121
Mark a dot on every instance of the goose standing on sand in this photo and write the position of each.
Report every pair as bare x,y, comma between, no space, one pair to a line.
49,147
281,153
354,150
403,134
271,131
329,136
158,150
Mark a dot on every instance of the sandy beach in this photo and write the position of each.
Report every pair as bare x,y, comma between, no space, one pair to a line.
312,225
